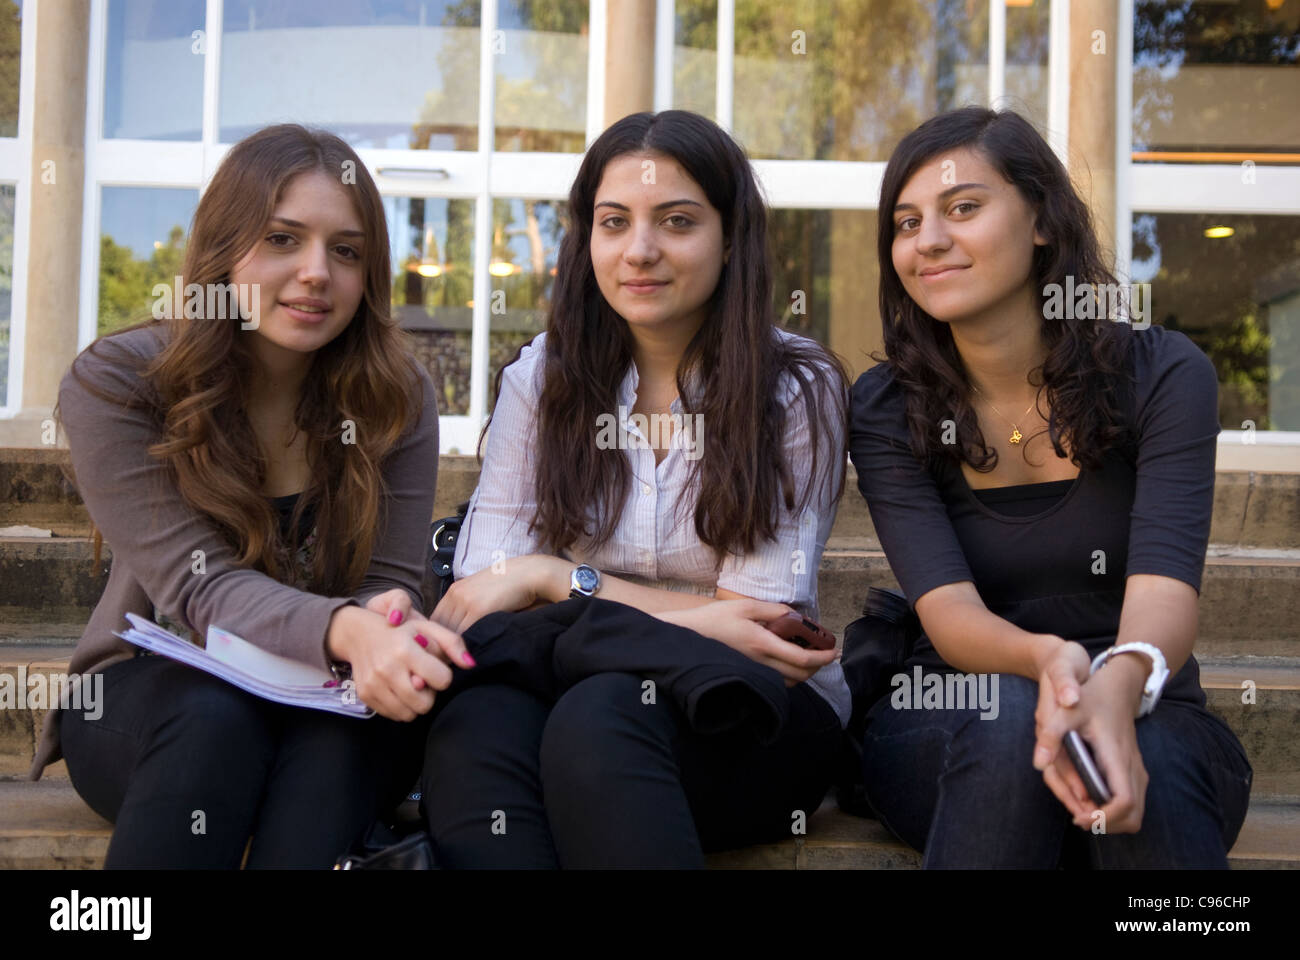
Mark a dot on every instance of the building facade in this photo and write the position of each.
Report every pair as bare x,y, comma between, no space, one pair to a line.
1177,120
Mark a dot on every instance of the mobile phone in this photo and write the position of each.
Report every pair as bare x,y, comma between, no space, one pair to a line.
800,630
1088,770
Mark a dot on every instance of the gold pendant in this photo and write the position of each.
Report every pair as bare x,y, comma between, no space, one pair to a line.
1015,435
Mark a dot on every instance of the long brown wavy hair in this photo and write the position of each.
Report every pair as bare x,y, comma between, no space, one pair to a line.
202,375
1086,373
743,475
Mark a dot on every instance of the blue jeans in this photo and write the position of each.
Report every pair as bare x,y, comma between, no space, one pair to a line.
963,790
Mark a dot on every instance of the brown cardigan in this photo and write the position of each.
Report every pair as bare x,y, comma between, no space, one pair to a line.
153,532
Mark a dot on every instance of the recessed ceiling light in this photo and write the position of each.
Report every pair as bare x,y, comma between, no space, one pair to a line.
1218,233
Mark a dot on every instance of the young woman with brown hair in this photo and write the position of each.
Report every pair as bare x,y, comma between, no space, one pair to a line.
1041,480
712,521
267,468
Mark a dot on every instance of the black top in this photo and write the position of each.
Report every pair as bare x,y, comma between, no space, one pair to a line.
283,506
1053,557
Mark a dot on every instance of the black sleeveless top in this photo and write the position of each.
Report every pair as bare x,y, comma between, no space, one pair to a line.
1053,557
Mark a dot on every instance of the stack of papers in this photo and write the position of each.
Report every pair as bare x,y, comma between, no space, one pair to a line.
263,674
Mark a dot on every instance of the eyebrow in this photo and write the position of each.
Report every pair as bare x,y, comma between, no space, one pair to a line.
303,226
658,206
943,196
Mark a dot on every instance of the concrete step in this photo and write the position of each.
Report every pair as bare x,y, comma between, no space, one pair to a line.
1250,509
1249,605
35,489
45,825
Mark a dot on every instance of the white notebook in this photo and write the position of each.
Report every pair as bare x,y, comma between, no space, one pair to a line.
251,668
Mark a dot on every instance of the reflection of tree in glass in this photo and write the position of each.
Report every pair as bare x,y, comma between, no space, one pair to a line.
126,283
1241,357
1158,54
527,292
445,352
11,29
454,60
553,93
7,195
871,71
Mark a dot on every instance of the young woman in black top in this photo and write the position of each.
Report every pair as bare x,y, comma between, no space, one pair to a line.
1041,479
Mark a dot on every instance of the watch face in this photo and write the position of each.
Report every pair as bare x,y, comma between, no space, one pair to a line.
586,579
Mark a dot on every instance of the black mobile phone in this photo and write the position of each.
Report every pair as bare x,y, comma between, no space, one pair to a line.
1088,770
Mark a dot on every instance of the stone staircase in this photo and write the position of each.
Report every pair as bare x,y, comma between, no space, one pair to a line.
1249,631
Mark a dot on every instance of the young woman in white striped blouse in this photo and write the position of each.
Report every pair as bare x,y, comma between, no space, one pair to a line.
666,435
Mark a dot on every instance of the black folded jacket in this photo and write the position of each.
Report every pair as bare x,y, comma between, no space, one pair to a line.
548,650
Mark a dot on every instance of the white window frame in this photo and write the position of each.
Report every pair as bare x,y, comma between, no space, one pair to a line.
482,175
1191,188
16,162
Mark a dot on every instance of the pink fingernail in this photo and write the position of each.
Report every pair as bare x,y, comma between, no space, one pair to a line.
395,617
468,660
421,641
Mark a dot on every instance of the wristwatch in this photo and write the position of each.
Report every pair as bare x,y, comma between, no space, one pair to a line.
1155,680
584,581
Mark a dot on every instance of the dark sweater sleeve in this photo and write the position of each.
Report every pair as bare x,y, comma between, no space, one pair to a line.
906,509
1176,417
152,530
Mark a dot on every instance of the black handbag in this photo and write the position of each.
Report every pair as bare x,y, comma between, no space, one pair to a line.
876,646
383,849
443,536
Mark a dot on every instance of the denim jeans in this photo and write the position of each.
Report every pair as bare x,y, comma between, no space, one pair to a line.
963,790
604,779
188,767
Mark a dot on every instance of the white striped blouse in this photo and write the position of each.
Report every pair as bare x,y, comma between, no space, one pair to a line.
655,543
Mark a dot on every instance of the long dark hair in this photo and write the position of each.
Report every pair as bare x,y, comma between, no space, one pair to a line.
744,480
1087,360
201,376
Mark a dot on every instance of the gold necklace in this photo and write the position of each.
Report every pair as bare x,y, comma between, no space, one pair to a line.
1016,435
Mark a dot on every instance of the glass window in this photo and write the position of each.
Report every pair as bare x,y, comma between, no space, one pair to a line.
695,57
11,45
1028,42
431,242
846,79
825,279
526,238
6,282
1231,283
401,74
541,75
1213,76
153,71
141,243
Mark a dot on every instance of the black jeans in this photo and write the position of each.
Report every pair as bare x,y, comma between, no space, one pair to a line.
603,778
188,767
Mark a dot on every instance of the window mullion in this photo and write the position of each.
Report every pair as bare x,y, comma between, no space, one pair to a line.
726,78
213,32
997,51
479,339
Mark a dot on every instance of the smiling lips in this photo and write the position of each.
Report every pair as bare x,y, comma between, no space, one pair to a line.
307,309
934,273
644,285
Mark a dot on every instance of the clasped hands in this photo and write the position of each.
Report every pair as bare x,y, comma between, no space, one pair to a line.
1103,708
